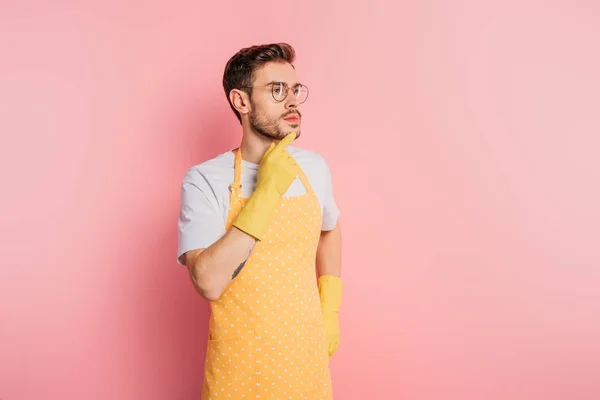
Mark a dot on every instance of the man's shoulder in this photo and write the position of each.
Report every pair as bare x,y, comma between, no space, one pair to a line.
213,167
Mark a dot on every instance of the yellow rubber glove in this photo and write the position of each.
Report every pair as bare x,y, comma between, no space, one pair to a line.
330,292
276,172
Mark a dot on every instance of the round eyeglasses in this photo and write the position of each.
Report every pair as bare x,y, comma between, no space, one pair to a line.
280,91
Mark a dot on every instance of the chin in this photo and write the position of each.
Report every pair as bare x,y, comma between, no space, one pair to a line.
289,129
298,133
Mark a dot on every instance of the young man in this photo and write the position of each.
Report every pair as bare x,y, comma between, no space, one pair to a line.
259,234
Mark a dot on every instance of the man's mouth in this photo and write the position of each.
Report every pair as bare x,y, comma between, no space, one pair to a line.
292,118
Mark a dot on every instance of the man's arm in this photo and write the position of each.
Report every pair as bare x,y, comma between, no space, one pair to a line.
329,252
213,268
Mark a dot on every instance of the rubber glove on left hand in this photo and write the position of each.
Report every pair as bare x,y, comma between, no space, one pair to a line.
330,292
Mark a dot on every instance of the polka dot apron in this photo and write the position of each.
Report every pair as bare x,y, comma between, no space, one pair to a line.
266,334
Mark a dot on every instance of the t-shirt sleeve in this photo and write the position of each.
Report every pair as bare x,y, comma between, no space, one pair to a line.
331,211
200,223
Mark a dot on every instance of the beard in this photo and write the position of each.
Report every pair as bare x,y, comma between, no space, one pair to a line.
269,128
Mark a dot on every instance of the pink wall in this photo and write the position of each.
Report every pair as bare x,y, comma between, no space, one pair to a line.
463,140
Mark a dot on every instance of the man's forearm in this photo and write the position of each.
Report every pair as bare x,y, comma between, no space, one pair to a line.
213,269
329,252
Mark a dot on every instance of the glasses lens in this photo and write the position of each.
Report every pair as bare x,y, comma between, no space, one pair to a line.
279,91
301,93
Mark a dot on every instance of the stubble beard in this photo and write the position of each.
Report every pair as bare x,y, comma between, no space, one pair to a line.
269,128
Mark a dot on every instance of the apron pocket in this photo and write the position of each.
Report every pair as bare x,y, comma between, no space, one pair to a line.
230,371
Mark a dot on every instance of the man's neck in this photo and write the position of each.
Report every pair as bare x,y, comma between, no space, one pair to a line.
254,146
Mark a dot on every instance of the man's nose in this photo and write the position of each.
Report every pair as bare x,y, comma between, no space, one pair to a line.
291,100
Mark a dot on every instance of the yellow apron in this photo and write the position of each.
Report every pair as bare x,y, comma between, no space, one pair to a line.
266,335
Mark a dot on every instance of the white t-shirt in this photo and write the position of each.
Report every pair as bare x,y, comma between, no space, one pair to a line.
205,196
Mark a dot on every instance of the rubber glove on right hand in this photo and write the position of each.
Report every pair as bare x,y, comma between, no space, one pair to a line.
276,172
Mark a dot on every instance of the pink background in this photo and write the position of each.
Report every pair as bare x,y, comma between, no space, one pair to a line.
463,140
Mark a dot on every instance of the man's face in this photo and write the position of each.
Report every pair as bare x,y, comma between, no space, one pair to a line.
268,117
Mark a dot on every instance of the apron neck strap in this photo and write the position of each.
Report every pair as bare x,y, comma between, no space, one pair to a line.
238,167
236,185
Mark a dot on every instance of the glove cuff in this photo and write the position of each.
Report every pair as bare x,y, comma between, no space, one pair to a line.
254,218
330,292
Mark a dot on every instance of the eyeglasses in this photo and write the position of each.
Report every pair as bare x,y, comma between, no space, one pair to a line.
280,90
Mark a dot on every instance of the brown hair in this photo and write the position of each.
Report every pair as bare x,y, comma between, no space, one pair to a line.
239,71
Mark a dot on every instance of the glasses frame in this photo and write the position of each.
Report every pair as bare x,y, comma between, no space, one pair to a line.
285,87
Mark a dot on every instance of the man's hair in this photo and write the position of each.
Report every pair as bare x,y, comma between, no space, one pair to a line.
239,71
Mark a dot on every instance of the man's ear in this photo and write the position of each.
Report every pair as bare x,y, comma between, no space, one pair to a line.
240,101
